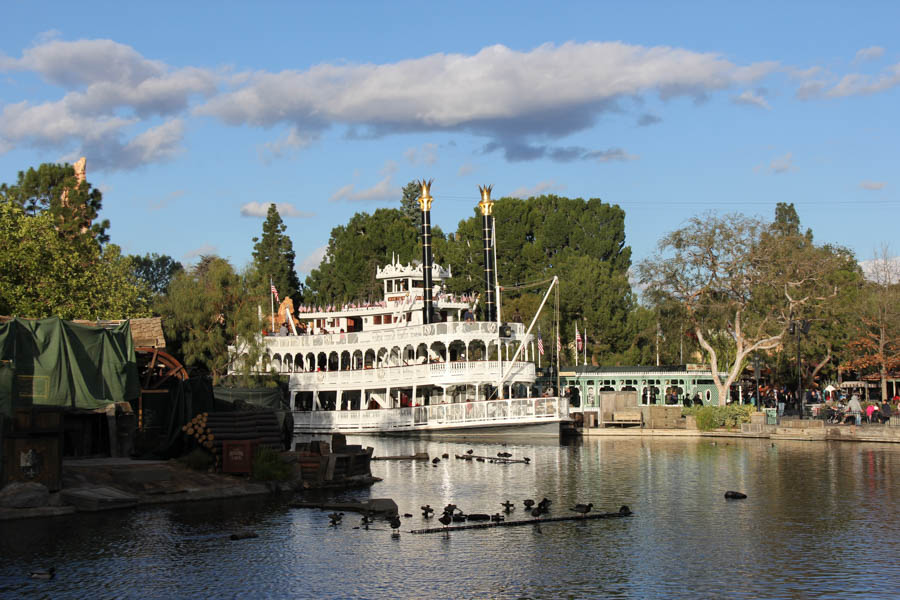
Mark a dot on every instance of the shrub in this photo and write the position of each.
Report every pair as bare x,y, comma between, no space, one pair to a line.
197,459
268,466
714,417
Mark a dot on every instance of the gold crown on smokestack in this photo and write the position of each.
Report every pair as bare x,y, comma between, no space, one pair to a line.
425,199
486,205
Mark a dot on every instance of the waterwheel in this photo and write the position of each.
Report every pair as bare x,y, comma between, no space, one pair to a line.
156,369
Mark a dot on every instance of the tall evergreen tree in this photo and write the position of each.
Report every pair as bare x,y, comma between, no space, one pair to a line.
409,203
53,189
273,256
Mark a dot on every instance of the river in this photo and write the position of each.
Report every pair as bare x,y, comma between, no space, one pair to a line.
819,522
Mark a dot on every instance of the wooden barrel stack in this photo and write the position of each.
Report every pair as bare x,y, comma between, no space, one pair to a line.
212,430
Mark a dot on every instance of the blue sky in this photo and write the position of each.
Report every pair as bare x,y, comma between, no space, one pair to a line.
195,116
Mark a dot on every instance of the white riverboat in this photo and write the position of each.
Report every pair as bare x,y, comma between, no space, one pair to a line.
415,361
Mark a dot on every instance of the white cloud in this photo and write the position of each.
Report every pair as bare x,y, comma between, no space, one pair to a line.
427,154
870,53
856,84
881,269
313,260
513,98
383,190
782,164
751,98
872,185
538,189
285,210
288,145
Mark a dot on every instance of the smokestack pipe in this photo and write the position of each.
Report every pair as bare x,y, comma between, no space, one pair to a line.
487,218
425,204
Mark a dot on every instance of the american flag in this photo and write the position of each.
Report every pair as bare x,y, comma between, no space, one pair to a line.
540,343
577,339
274,291
558,344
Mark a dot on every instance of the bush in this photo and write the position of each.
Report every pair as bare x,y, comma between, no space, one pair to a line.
714,417
268,466
197,459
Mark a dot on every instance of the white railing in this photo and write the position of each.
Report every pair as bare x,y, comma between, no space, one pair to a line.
516,411
412,333
432,373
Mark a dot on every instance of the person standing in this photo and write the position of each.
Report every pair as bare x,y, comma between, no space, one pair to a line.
854,408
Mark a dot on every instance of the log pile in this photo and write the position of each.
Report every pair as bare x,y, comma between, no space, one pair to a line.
212,430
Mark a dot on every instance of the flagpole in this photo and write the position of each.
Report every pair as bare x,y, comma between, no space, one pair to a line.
272,303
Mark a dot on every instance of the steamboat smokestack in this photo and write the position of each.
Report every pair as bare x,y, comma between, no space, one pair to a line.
425,204
487,219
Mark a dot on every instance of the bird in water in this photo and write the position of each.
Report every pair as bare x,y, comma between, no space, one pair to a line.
624,511
427,511
536,512
459,517
445,520
528,504
449,509
395,525
366,520
469,451
497,517
435,460
583,508
335,518
526,460
504,454
48,573
479,459
508,506
445,455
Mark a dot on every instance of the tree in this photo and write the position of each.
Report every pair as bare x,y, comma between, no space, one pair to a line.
155,271
273,257
209,308
876,340
409,203
355,250
54,189
740,282
44,273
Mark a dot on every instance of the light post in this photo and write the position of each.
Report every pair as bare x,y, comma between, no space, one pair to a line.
756,375
800,327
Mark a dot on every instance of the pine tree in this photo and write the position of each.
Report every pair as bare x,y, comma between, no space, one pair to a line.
409,204
273,256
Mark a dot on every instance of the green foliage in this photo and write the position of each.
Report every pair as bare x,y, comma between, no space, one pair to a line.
409,203
40,191
728,416
44,272
273,257
268,466
155,271
207,309
197,459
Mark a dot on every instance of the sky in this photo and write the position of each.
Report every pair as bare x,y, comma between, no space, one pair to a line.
194,117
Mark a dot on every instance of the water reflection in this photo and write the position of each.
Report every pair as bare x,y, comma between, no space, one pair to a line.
817,522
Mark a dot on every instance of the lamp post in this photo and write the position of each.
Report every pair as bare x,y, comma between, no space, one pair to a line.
756,375
799,327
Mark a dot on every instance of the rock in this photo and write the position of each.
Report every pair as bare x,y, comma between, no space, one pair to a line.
24,495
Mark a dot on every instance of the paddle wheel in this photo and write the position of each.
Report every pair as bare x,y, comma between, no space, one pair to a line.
156,369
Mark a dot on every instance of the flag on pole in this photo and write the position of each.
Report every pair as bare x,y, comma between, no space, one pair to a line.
540,343
558,344
577,338
274,291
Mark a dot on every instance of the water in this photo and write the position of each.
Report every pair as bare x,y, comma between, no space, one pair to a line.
819,522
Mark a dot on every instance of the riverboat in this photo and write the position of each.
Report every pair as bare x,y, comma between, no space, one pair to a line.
416,360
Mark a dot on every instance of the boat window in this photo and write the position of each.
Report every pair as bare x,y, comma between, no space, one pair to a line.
390,285
387,319
376,320
417,283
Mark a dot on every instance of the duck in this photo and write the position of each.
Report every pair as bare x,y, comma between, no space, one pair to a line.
445,455
336,518
459,517
449,509
366,520
526,460
469,451
583,508
435,460
536,512
497,517
479,459
48,573
395,525
528,504
735,495
508,506
407,516
624,511
445,520
427,511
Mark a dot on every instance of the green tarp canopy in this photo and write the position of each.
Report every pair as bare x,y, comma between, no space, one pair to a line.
52,362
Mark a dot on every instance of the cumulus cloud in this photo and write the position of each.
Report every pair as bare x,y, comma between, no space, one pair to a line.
856,84
515,99
285,209
782,164
870,53
516,152
538,189
112,93
313,260
294,141
751,98
383,190
872,185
